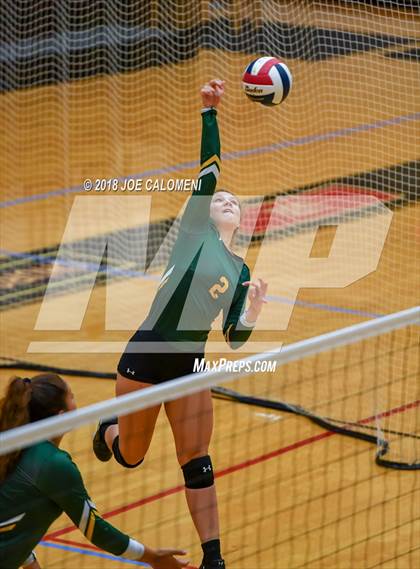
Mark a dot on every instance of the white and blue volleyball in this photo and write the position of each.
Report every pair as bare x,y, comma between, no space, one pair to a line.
267,80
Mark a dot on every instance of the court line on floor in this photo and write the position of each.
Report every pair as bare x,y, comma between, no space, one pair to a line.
42,259
234,155
72,549
77,547
240,466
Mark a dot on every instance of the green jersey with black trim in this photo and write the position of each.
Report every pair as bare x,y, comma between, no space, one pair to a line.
202,277
45,483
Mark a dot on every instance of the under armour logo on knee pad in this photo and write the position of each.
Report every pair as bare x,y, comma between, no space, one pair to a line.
132,371
198,473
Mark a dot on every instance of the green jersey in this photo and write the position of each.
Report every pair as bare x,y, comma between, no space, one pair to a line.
45,483
202,277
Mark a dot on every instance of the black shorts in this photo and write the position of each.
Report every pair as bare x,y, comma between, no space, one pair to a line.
154,367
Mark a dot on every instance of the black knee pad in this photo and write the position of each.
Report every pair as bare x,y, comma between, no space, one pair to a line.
119,457
198,473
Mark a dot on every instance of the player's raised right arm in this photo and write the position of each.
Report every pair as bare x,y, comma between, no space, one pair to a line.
211,95
197,211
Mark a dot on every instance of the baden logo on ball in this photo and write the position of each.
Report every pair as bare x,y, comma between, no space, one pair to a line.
267,80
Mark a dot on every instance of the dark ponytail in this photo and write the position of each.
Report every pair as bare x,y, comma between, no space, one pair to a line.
28,400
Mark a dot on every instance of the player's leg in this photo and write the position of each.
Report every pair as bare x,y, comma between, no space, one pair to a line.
191,420
128,437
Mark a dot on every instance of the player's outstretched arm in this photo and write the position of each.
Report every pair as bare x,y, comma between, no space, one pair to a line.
62,482
197,212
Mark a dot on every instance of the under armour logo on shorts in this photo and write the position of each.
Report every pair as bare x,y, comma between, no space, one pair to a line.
132,371
206,468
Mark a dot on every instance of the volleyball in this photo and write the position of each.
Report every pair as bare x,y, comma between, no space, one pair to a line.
267,80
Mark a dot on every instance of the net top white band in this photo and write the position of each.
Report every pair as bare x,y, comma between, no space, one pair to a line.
55,426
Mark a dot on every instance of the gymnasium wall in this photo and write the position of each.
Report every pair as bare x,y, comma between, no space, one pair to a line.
45,42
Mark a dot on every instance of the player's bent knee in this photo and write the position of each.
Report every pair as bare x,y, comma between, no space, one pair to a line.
119,457
187,454
198,473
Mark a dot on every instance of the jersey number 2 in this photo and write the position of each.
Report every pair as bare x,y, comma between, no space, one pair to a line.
219,287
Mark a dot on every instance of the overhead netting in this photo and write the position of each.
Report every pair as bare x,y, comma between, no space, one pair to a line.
108,91
100,114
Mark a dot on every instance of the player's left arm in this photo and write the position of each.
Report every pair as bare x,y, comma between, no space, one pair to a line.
62,482
239,323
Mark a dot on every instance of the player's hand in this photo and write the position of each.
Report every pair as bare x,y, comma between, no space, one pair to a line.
164,558
256,295
212,92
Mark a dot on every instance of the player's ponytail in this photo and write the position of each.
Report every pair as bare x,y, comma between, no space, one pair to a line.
28,400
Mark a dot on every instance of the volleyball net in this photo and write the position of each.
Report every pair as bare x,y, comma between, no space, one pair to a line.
295,461
329,183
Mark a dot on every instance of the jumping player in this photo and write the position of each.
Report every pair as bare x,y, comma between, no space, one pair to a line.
42,481
202,278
